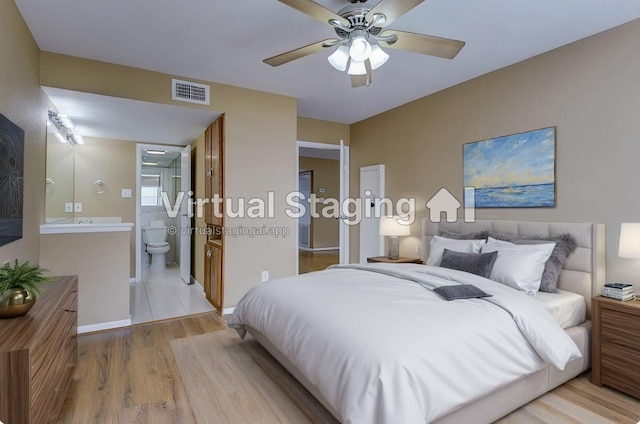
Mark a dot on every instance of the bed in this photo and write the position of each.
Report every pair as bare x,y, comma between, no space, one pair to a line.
474,365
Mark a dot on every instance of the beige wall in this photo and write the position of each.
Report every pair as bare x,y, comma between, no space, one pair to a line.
260,138
320,131
326,175
23,102
113,162
589,90
101,262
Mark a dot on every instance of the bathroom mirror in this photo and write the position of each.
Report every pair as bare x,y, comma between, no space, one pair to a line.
59,178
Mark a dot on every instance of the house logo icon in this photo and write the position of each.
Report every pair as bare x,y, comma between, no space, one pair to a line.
445,202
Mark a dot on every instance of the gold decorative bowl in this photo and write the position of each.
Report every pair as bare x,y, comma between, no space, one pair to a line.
15,302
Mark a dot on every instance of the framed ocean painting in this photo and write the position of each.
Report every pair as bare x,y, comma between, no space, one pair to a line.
513,171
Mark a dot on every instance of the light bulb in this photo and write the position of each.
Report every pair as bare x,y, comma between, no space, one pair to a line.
357,68
339,58
360,49
378,57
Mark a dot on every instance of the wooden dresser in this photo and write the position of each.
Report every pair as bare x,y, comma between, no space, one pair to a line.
616,344
38,354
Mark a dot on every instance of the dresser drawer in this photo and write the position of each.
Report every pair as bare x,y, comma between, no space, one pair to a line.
620,368
64,329
620,328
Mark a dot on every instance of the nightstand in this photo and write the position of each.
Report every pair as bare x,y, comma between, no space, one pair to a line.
400,260
615,344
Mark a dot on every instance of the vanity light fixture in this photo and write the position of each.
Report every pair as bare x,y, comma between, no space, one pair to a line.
74,139
156,152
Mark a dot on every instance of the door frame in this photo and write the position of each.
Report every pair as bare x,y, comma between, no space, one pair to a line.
138,229
344,192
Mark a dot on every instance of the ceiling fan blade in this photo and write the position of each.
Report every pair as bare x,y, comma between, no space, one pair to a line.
283,58
363,80
392,9
315,10
425,44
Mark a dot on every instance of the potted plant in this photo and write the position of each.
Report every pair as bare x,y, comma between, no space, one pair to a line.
19,287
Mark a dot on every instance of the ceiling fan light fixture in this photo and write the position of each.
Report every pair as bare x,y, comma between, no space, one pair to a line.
340,58
378,57
360,49
357,68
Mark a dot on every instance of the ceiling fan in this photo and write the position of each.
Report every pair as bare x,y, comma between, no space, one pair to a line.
361,30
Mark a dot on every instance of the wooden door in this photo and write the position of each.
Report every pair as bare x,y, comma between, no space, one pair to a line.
213,287
214,159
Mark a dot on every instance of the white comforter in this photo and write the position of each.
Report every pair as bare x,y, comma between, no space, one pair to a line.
383,349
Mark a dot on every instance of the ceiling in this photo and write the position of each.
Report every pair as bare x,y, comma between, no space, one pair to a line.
225,42
123,119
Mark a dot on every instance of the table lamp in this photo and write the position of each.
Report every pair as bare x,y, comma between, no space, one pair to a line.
629,241
392,227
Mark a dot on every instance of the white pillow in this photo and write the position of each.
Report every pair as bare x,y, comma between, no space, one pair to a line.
519,266
438,244
491,240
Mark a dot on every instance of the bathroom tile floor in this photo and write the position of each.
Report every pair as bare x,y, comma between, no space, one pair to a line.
162,295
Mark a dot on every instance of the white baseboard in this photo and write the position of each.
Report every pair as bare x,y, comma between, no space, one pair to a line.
318,249
228,311
82,329
194,281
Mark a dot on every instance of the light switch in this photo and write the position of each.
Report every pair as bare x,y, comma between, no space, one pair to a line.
126,192
77,207
68,207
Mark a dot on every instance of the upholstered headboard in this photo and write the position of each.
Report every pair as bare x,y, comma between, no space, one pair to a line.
584,272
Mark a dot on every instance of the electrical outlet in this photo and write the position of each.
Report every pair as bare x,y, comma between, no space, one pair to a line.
417,248
77,207
265,276
68,207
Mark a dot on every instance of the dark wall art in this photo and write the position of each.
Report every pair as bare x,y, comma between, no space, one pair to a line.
11,180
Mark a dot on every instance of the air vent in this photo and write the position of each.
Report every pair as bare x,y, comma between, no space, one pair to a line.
191,92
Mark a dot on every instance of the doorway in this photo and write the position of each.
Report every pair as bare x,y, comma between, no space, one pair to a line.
163,181
323,173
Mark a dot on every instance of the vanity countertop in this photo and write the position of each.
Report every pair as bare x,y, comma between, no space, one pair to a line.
85,228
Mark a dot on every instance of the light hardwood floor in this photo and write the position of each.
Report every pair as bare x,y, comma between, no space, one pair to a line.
316,261
131,376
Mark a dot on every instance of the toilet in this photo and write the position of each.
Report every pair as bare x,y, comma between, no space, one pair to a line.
155,237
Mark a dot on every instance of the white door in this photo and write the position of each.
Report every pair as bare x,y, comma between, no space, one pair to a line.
185,218
304,222
371,191
344,194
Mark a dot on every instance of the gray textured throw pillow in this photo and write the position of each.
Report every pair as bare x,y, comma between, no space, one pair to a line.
460,291
474,263
565,245
478,235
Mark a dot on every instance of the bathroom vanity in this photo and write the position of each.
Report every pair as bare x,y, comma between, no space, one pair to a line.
99,254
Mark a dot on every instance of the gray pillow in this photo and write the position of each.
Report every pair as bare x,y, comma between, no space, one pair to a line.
474,263
460,291
565,245
479,235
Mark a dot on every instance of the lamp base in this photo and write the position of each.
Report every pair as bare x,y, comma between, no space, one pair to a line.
394,252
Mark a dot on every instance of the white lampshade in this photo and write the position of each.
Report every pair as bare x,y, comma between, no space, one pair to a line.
629,241
392,226
360,49
378,57
340,58
357,68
